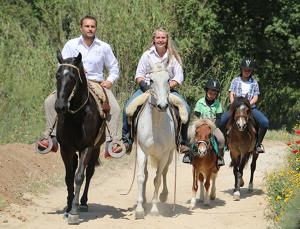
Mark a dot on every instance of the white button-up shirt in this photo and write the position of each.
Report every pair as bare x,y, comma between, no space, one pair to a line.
143,68
94,58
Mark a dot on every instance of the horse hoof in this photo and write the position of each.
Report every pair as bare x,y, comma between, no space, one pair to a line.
250,188
212,197
73,219
66,215
83,208
236,196
139,215
163,197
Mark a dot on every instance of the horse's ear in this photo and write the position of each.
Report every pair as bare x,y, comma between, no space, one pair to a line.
78,59
59,56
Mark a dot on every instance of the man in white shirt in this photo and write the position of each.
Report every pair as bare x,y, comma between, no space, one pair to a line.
96,55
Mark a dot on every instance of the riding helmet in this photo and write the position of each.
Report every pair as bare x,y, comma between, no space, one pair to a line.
213,85
247,63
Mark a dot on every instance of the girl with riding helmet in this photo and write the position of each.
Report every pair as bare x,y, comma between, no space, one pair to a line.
209,107
246,86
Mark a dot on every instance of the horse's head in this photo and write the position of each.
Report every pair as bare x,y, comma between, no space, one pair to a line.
200,134
69,76
160,89
241,112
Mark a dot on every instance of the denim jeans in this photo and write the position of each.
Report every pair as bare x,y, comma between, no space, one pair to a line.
125,130
258,116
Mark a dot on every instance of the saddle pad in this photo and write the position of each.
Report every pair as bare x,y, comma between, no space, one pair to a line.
97,91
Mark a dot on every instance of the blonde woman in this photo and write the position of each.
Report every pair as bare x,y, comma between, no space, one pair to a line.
162,50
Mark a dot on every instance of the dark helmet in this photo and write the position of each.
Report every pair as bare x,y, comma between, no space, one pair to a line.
213,85
247,63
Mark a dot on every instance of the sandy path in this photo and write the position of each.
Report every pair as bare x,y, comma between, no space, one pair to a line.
108,209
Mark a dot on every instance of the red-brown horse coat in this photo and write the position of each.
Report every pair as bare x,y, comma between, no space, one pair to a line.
204,166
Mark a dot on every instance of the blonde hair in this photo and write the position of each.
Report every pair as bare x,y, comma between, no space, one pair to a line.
170,45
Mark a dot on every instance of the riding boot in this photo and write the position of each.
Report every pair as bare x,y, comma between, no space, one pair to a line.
187,158
184,148
221,161
126,134
260,136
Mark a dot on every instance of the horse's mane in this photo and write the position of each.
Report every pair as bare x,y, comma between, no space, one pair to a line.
199,122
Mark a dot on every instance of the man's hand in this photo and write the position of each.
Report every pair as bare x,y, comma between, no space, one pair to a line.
107,84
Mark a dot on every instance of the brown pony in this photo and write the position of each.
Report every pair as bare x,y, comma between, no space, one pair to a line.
204,160
241,137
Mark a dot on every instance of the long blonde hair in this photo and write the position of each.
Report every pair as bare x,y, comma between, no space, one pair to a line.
170,45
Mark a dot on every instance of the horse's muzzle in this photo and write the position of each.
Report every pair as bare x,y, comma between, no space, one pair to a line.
61,106
162,107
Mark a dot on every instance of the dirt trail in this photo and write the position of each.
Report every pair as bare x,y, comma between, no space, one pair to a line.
109,209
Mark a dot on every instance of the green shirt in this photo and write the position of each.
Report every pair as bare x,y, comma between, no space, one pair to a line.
207,111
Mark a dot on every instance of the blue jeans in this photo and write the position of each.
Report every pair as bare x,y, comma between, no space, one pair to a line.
125,130
258,116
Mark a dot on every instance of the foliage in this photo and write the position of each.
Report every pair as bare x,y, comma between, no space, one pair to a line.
212,37
283,188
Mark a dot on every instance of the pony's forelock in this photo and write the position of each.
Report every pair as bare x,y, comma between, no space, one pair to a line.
199,122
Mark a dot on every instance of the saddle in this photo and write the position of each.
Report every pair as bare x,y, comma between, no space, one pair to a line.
100,96
177,110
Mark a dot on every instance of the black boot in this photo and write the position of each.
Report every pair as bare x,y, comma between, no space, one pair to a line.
260,136
187,158
220,161
184,148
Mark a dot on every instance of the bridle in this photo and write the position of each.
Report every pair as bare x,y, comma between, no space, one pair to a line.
74,90
242,114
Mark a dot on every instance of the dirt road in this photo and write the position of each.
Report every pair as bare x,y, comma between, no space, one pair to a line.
108,209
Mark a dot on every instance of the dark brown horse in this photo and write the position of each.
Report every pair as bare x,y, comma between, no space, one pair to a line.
241,137
79,129
204,161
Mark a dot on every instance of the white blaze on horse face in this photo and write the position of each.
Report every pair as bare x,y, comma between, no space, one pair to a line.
202,149
160,88
241,121
66,71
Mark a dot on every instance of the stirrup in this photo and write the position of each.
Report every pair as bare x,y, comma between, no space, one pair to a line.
46,145
117,154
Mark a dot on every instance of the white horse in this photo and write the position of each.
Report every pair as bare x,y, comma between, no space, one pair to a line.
155,138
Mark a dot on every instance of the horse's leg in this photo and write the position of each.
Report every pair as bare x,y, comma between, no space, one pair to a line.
157,182
73,217
145,182
194,188
201,181
236,191
69,178
253,167
241,169
141,162
89,174
213,187
206,191
164,194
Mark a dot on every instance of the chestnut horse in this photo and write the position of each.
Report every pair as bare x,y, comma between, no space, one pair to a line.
204,161
241,137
